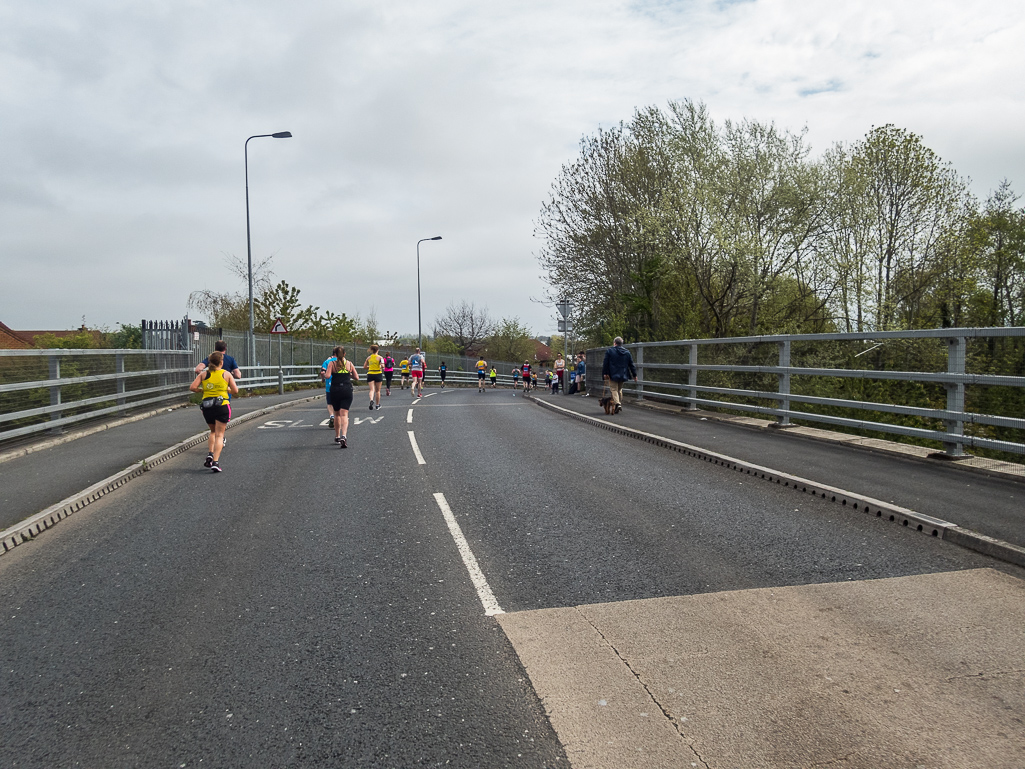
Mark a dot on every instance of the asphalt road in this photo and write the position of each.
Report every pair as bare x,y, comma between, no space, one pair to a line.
310,605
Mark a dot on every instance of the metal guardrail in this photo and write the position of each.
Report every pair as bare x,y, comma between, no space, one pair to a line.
945,402
47,390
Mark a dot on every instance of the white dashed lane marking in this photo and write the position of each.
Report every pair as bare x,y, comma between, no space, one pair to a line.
416,449
487,598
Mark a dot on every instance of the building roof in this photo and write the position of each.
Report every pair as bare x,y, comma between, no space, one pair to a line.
12,340
19,340
542,352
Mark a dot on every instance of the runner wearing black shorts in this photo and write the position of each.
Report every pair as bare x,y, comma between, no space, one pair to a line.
342,374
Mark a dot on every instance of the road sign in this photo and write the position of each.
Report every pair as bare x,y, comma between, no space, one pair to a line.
565,325
565,307
279,327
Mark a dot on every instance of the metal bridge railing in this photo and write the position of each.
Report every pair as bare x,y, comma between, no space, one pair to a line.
956,387
47,390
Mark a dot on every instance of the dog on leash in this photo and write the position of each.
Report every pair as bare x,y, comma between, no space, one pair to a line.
607,404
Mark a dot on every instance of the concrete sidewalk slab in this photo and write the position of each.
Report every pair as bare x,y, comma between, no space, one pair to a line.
923,671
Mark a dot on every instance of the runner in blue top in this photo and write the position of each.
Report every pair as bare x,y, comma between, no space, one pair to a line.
327,383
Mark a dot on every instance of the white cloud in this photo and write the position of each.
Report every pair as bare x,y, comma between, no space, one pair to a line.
123,131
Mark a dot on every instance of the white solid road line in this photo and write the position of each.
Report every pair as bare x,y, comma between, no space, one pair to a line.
416,449
487,598
409,417
416,401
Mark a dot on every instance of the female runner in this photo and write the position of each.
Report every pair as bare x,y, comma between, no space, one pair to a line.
374,366
215,383
342,374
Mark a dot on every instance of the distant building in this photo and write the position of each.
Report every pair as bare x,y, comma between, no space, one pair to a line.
542,353
12,340
21,340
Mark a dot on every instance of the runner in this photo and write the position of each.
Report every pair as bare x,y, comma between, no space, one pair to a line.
327,390
228,365
533,380
404,371
342,374
375,376
417,365
516,379
442,370
494,377
389,372
482,370
216,384
526,376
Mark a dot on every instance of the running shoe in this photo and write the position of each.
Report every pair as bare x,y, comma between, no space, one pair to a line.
216,467
343,443
331,422
371,404
209,460
224,442
338,440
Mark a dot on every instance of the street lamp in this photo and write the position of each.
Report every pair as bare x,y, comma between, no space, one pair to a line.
249,245
419,330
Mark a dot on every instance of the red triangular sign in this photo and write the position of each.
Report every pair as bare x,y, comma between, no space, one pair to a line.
279,327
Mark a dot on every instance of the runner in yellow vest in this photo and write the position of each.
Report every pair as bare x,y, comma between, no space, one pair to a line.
215,383
374,366
482,372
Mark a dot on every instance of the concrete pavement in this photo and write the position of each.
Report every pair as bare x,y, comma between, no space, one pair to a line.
919,671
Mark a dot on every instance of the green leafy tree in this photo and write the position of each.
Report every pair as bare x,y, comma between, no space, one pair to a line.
81,340
510,341
282,301
127,337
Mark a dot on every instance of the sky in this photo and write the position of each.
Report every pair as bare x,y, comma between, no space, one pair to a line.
123,127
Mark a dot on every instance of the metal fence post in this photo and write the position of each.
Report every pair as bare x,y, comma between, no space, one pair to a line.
640,372
784,382
692,377
55,391
119,368
955,394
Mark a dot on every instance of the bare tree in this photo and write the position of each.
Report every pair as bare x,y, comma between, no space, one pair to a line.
466,325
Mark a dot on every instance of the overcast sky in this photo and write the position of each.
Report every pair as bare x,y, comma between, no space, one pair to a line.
122,128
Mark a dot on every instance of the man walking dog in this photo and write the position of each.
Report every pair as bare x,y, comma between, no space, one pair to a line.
616,368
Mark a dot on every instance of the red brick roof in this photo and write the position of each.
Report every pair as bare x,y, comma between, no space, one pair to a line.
17,340
12,340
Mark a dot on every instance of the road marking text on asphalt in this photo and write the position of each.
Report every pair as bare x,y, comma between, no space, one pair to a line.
416,449
487,598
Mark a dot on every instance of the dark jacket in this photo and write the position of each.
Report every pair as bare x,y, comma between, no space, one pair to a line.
618,364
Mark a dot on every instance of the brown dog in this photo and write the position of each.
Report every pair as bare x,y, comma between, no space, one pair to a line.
607,404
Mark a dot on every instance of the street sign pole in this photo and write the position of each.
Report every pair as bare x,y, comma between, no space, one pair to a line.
565,308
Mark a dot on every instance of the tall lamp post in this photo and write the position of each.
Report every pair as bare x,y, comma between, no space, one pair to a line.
419,329
249,245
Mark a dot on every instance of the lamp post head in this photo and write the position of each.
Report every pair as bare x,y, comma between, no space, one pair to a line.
282,135
436,237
